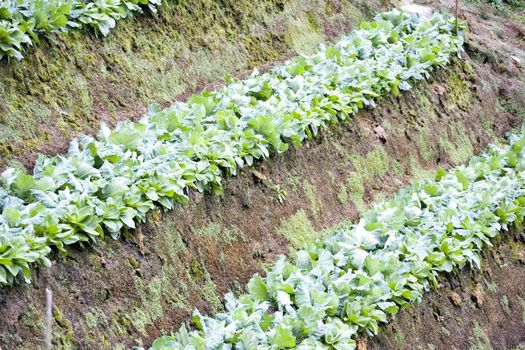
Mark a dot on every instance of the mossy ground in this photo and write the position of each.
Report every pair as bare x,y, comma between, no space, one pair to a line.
297,230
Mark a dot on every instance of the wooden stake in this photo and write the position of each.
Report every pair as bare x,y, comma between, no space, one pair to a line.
49,317
457,17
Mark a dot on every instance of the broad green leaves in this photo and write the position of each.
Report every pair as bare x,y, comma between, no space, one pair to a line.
257,288
12,39
23,21
283,338
107,184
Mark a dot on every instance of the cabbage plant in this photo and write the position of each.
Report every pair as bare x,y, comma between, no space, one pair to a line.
22,22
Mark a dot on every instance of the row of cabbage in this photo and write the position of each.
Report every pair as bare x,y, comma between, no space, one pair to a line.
108,183
354,280
22,22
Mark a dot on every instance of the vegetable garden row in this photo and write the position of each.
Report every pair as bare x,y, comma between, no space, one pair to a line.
354,280
108,183
22,22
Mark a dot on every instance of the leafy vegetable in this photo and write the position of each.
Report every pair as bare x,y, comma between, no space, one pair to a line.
23,21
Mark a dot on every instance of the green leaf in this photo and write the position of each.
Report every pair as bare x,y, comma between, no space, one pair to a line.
23,185
263,92
283,338
462,179
432,190
12,216
3,276
440,173
205,99
257,288
128,138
